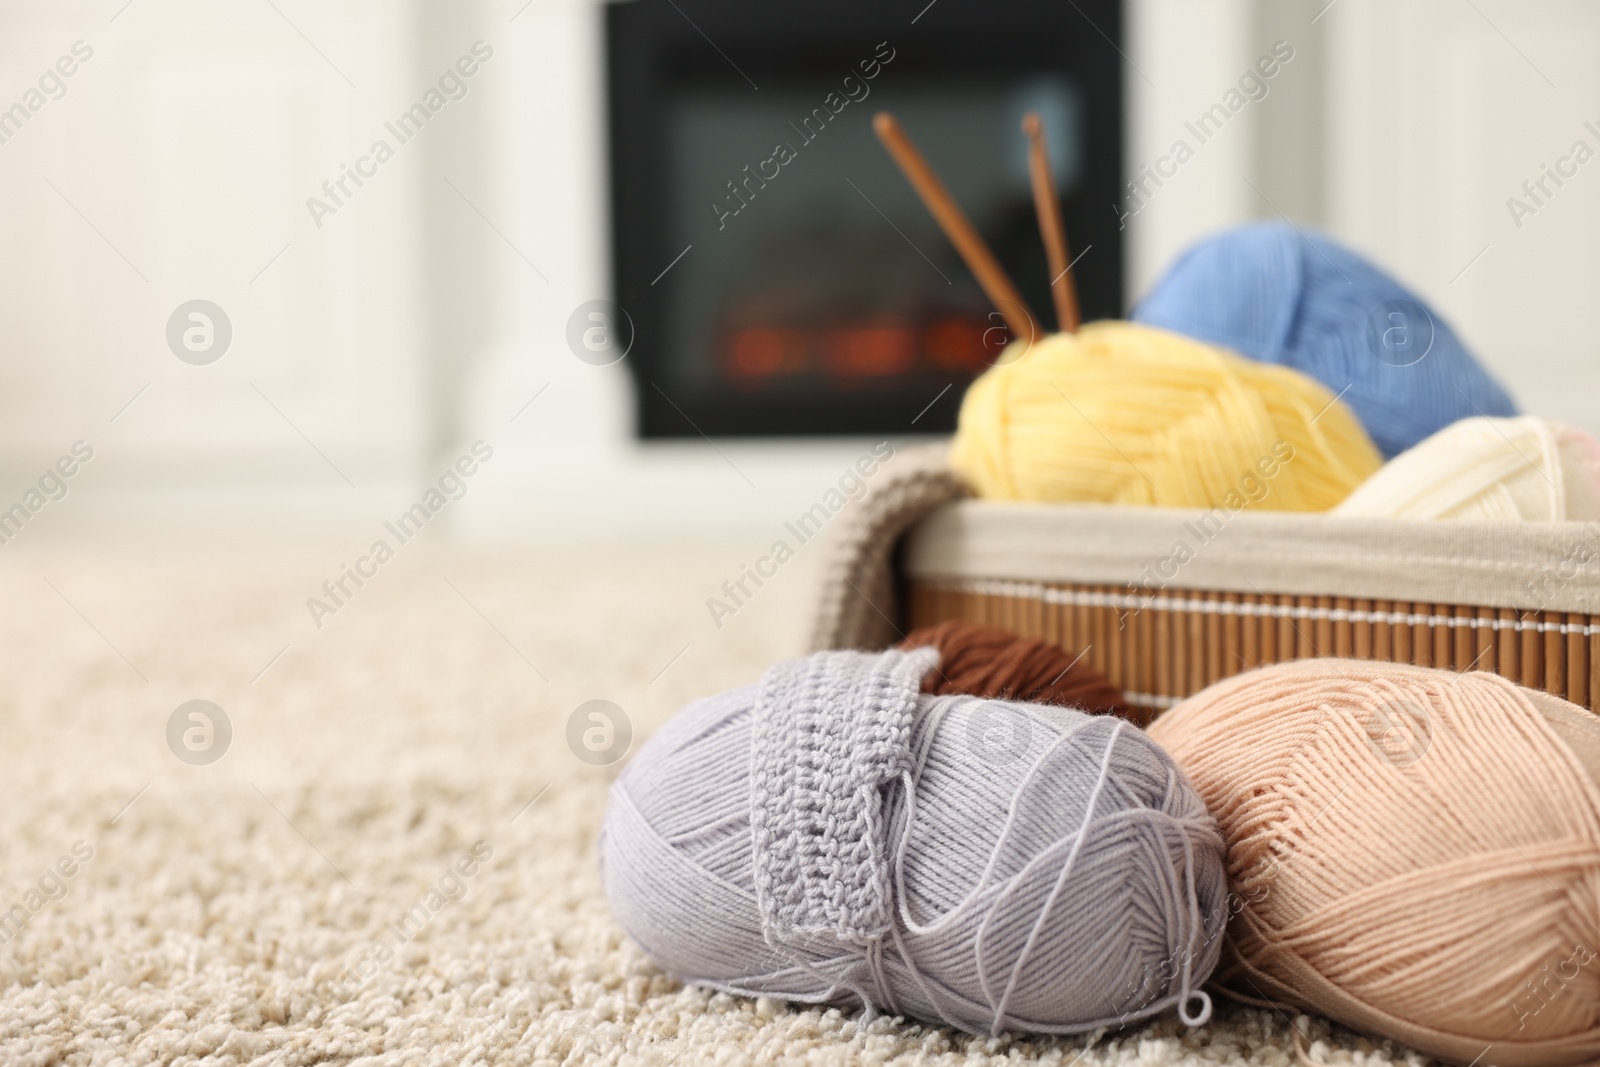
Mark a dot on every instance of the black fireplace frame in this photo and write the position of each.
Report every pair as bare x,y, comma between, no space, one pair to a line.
654,42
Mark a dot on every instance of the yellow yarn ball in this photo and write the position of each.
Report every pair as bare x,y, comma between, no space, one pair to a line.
1121,413
1486,468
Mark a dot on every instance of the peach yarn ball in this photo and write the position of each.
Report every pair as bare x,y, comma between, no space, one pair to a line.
1413,852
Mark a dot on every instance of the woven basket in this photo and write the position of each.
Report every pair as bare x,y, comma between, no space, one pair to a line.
1265,589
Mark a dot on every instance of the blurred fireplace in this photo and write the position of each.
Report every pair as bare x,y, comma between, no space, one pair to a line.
780,275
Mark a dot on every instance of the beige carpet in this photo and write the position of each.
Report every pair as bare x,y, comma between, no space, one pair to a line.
227,908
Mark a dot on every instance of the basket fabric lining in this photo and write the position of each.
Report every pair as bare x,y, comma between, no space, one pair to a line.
1553,566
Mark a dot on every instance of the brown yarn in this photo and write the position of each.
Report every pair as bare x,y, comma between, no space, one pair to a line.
986,662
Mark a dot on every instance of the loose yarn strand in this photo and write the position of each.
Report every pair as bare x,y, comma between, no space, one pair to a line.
1055,890
1186,989
897,933
935,720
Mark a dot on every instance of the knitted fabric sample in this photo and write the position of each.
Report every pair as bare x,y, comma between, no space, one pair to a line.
830,732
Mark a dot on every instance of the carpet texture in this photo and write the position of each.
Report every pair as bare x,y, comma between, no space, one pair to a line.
240,912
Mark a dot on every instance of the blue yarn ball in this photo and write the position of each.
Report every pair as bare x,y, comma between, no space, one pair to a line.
1305,302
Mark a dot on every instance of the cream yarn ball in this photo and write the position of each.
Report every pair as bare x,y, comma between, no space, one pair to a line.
1487,468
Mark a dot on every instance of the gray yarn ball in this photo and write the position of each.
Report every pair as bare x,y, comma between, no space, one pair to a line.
834,836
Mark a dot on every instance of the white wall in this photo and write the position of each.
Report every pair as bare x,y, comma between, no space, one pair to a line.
176,166
1438,112
1182,57
421,316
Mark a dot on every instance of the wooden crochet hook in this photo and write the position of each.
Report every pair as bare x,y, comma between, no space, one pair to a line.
956,226
1063,287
